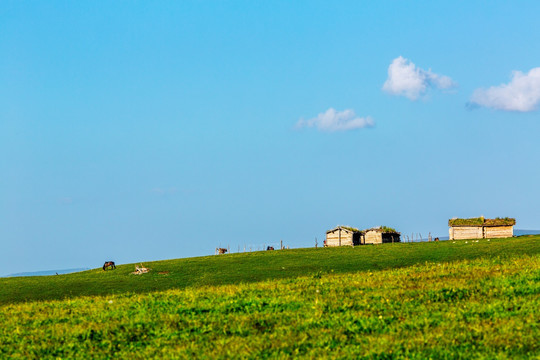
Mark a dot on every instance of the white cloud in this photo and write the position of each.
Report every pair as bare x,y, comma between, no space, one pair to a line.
405,79
333,120
522,93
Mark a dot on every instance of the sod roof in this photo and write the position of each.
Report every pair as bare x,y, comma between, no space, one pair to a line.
384,230
350,228
481,221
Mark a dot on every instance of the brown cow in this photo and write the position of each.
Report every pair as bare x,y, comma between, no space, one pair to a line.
109,264
221,251
269,248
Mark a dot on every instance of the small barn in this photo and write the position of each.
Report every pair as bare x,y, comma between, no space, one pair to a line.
381,235
481,228
343,236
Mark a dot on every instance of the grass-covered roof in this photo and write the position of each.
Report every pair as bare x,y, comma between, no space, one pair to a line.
481,221
388,229
353,229
385,229
345,227
382,228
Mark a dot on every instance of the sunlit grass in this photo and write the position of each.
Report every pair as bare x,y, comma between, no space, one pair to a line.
480,308
254,267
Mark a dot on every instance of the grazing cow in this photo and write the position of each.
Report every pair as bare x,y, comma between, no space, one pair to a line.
221,251
269,248
436,239
109,264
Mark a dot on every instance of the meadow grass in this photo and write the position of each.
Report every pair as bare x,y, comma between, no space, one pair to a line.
467,309
256,266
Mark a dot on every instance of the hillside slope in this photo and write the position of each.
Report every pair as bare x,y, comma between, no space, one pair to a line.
256,266
485,308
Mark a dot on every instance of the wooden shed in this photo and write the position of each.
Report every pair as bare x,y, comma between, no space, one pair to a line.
343,236
381,235
481,228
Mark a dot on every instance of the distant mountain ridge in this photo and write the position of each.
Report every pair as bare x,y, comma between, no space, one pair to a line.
518,232
47,272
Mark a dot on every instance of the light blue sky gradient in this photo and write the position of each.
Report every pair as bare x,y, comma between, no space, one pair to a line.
133,131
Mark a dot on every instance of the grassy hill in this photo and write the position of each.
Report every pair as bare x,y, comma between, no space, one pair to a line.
455,301
256,266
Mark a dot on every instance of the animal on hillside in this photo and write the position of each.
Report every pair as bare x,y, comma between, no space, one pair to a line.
221,251
269,248
436,239
109,264
140,270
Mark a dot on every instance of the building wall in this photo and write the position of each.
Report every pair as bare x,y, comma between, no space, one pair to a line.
332,238
358,238
498,231
373,237
466,232
480,232
391,238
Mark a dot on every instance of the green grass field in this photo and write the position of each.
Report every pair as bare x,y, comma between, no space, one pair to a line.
430,300
255,266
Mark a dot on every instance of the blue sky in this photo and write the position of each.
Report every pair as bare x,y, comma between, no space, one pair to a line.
135,131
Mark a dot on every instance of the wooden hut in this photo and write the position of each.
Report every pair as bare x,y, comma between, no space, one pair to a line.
381,235
481,228
343,236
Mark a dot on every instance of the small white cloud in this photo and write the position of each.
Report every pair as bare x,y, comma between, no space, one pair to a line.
405,79
522,93
333,120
